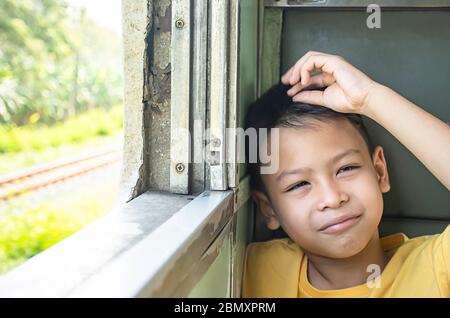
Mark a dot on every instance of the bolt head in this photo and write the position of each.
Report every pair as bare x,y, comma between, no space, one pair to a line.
216,142
179,23
179,167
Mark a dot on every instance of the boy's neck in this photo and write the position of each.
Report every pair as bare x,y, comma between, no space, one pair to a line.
327,273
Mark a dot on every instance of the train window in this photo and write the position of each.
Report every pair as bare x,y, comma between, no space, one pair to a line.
183,222
192,68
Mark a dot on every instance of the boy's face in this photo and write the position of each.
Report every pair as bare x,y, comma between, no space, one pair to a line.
306,204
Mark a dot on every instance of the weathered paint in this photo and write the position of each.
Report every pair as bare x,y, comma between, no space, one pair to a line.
157,110
135,20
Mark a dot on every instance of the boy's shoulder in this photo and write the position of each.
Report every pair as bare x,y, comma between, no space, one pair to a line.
435,243
268,248
420,266
271,268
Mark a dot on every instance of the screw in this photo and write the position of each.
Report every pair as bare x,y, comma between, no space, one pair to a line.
179,167
179,23
216,142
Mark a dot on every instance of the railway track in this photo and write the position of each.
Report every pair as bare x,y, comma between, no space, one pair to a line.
18,183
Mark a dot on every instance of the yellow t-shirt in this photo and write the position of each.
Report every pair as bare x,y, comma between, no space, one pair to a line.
419,267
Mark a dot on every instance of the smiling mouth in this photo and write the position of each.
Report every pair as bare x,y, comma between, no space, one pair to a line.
340,225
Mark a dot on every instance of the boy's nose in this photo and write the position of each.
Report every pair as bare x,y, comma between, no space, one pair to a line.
332,197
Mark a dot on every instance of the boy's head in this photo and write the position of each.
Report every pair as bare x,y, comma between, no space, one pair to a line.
310,191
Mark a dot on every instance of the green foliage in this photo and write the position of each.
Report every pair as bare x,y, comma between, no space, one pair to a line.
28,230
60,83
54,62
25,235
96,122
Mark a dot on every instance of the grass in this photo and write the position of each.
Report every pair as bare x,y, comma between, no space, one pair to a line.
28,230
27,146
77,129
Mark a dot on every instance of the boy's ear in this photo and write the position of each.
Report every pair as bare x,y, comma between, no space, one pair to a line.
266,209
380,165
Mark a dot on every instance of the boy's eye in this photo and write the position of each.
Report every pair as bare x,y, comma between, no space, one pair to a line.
298,185
349,168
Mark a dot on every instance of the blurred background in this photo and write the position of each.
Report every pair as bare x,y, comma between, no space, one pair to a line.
60,120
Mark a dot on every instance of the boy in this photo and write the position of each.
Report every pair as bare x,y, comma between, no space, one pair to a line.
327,192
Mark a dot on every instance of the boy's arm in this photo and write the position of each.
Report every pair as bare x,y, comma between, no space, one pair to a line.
426,136
351,91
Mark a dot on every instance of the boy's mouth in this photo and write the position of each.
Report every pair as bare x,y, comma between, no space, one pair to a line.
340,223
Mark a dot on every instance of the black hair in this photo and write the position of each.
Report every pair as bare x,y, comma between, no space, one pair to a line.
276,109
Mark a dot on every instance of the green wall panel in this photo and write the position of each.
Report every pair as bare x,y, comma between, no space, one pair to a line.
248,61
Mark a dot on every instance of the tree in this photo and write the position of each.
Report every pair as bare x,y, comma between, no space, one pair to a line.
46,72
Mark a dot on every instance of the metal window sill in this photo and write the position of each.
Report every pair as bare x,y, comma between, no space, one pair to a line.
133,252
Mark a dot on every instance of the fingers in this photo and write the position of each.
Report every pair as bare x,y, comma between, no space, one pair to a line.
319,80
295,73
308,62
310,97
315,62
295,89
286,78
316,80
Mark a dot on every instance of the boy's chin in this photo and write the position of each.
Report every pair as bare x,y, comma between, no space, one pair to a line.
341,249
343,254
335,251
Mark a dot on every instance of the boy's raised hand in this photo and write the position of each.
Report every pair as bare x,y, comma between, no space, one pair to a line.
348,89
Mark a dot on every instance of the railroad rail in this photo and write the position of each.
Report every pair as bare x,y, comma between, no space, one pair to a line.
21,182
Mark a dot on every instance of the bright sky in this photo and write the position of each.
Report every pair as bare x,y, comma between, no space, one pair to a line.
107,13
